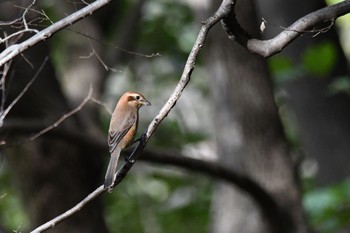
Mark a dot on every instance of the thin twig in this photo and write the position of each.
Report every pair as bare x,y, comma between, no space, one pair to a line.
2,40
116,47
8,109
8,23
65,116
13,50
25,13
24,22
70,212
103,104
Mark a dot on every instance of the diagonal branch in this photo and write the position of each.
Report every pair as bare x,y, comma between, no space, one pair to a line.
15,49
8,109
184,80
308,23
65,116
53,222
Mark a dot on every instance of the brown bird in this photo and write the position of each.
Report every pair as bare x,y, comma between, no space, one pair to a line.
122,130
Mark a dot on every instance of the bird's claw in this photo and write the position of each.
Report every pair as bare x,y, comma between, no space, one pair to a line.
143,139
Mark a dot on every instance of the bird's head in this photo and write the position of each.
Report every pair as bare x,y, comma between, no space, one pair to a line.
135,99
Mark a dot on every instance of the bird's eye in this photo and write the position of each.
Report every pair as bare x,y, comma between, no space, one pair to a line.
137,97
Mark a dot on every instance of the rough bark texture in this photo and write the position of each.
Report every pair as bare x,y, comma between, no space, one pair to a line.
323,119
249,135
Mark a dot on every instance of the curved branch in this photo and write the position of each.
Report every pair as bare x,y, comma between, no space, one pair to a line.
277,217
53,222
221,13
266,203
267,48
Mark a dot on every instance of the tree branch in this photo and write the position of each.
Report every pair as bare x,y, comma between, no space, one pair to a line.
267,48
4,113
184,80
212,169
64,117
264,48
53,222
12,51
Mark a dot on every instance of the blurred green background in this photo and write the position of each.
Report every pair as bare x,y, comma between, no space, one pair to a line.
157,198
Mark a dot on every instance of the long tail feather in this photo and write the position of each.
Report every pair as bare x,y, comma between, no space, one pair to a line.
111,170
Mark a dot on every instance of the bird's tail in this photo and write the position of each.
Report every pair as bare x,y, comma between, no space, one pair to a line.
111,170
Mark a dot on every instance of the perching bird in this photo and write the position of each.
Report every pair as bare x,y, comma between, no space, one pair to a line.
122,129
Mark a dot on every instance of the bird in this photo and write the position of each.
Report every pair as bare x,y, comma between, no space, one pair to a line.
122,130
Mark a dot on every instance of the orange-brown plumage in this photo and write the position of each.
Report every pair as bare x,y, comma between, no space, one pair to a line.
122,129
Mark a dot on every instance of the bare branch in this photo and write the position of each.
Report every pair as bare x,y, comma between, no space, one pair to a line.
189,66
212,169
24,22
106,107
184,80
308,23
3,83
93,52
65,116
2,40
8,109
8,23
116,47
70,212
13,50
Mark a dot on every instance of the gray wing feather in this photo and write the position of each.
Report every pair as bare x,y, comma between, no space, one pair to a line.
115,136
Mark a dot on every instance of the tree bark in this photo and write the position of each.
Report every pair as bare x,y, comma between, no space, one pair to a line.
249,135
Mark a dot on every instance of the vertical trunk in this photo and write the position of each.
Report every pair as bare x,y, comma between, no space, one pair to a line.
249,135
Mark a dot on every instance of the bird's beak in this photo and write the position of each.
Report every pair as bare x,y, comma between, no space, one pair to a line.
146,103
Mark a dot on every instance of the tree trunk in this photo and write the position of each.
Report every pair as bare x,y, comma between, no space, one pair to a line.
249,136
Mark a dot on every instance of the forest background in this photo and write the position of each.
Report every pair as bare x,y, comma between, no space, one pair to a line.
244,122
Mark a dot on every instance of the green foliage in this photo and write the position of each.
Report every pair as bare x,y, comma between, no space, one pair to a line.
289,124
12,214
283,69
171,135
329,208
159,202
341,84
320,59
280,64
166,28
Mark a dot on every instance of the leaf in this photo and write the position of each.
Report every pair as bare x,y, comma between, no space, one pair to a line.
320,59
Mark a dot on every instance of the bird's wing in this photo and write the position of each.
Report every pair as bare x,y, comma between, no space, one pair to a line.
116,135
